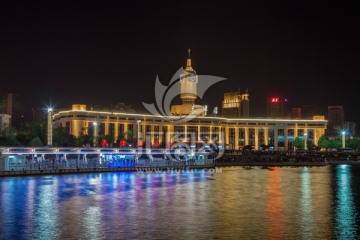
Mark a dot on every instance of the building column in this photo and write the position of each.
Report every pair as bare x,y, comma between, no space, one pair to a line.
276,147
143,130
236,138
106,132
314,136
246,136
152,134
286,140
185,133
266,136
170,133
256,138
199,134
220,135
116,130
227,135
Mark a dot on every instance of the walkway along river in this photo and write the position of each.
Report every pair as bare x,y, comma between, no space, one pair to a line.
29,161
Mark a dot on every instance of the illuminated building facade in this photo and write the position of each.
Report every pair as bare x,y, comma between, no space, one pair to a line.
231,104
236,105
188,92
232,133
229,132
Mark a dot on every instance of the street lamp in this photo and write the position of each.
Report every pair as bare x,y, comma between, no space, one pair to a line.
305,141
138,129
95,133
343,139
49,127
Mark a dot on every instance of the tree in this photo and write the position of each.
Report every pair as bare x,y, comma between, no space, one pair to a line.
336,143
29,132
36,142
353,143
109,139
324,142
62,138
36,130
84,140
23,138
127,135
130,136
8,137
298,143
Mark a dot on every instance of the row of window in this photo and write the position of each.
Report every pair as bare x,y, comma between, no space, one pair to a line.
198,121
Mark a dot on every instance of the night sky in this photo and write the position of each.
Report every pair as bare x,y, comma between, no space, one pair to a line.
102,52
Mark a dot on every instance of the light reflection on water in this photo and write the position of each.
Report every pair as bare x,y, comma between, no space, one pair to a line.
306,208
345,208
286,203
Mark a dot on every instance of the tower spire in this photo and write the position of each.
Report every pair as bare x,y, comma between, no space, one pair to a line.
188,63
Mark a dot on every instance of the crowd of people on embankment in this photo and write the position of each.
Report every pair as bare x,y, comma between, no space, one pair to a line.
279,157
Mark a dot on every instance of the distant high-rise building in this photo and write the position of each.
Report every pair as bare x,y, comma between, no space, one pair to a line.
11,105
245,105
39,115
276,107
235,105
308,111
335,120
7,104
296,113
231,104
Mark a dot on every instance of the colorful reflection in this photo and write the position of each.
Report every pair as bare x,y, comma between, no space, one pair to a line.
275,205
346,214
306,206
278,203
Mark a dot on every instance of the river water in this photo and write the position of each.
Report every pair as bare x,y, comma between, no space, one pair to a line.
232,203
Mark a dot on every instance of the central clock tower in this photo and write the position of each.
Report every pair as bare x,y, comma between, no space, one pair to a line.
188,83
188,93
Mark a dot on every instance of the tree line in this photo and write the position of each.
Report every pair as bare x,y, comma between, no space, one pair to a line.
35,135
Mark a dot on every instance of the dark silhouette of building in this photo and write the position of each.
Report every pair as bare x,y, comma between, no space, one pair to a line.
12,105
335,120
308,111
276,107
296,113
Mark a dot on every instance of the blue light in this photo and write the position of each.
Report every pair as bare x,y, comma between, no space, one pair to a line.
345,207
